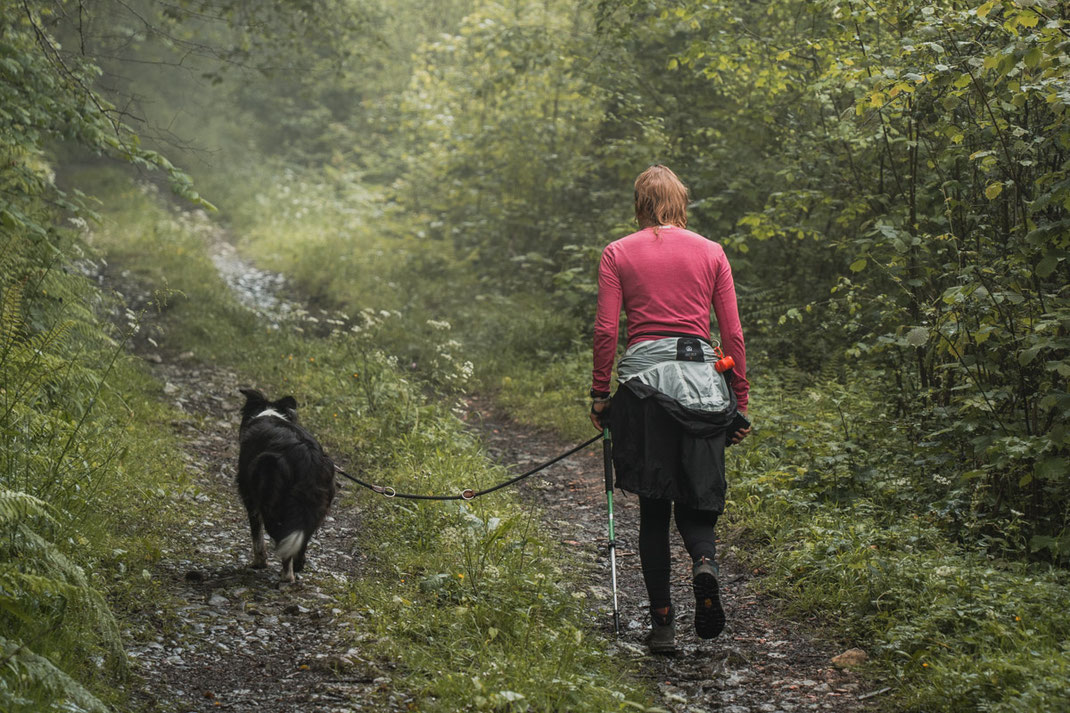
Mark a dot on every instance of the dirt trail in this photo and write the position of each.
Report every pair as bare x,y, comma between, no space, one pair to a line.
761,663
234,639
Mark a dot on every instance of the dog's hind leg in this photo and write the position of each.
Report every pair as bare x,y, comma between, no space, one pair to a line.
288,549
256,525
287,573
299,558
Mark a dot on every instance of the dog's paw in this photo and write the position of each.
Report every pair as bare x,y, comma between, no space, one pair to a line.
259,563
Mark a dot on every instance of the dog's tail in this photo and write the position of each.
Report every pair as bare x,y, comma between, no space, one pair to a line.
290,545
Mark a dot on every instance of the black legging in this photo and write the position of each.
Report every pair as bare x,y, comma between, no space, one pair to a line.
695,526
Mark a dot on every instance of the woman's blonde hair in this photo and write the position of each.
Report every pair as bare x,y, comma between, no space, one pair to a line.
660,198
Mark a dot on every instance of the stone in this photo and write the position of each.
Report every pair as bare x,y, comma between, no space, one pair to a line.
850,658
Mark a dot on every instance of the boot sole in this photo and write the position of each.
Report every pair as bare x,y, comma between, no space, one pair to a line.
709,614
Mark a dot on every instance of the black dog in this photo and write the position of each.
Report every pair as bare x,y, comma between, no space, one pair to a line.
284,479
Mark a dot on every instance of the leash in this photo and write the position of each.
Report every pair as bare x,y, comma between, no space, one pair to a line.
467,493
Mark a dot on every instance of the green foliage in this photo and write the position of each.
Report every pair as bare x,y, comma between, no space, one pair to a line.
32,678
846,541
48,95
42,590
922,158
78,436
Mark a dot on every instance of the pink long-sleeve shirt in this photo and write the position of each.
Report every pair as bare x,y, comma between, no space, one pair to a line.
666,282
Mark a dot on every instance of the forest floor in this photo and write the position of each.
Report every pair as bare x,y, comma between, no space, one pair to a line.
222,636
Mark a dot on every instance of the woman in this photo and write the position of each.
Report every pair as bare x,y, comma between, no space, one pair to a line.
674,410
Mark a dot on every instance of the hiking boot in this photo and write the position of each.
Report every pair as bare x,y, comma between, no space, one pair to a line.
662,636
709,614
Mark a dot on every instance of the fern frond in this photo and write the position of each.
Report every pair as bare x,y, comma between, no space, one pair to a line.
17,506
25,676
38,554
23,594
37,578
830,366
11,324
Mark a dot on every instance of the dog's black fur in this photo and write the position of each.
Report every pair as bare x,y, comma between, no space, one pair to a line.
285,480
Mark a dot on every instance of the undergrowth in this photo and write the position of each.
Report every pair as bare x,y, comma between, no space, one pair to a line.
86,477
823,493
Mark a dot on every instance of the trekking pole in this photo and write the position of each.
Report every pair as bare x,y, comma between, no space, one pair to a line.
607,454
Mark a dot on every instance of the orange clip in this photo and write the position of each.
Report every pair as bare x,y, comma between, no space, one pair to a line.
723,363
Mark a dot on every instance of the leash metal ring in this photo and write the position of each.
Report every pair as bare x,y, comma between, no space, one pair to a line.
389,492
468,494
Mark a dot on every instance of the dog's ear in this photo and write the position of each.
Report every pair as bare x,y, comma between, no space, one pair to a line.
253,395
289,402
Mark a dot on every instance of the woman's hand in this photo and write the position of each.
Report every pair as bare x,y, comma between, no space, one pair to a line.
740,435
599,409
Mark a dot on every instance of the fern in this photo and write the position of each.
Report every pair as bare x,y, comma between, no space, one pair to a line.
33,569
831,370
27,361
15,506
27,678
42,589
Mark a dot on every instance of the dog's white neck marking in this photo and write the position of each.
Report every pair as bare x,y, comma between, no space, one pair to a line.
271,412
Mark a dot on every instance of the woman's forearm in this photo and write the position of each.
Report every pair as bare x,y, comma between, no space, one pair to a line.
727,312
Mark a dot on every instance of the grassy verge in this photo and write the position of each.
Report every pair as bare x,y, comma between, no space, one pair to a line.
825,496
471,600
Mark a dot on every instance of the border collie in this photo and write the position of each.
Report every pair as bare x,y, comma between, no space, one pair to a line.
284,479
